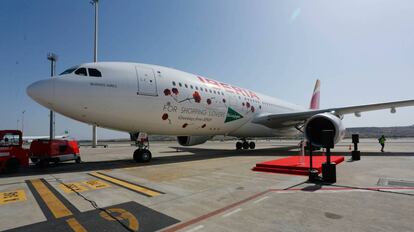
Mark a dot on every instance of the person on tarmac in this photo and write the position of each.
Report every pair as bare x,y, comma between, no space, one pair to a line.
381,141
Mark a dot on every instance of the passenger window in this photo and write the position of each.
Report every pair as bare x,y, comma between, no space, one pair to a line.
180,84
186,85
81,72
196,88
191,86
173,83
94,72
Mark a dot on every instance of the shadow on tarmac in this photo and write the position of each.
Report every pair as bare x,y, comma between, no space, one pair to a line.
196,155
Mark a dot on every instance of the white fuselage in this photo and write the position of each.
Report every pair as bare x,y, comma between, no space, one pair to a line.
136,97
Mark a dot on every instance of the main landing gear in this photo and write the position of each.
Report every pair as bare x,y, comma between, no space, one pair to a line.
244,144
142,154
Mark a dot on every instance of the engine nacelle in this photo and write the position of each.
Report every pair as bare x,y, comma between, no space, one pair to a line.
192,140
325,121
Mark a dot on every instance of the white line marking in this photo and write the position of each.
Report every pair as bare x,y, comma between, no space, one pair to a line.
232,212
195,228
261,199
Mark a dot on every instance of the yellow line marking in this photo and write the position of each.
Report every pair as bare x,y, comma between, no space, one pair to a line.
123,215
57,208
75,225
72,187
96,184
137,188
12,196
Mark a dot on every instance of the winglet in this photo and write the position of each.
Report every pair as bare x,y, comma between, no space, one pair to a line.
314,104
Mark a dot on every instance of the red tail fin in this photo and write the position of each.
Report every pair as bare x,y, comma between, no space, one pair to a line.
314,104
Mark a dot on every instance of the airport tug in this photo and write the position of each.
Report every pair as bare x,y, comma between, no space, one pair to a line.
12,154
41,152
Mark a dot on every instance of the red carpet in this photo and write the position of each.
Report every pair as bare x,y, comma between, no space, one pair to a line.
292,165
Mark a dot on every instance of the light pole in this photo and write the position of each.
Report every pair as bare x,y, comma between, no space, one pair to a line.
53,58
95,59
24,111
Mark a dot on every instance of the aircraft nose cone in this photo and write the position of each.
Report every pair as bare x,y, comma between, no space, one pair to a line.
41,92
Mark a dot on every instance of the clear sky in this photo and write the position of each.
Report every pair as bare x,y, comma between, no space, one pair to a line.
362,51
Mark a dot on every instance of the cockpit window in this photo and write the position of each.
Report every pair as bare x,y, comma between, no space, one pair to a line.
69,70
81,72
94,72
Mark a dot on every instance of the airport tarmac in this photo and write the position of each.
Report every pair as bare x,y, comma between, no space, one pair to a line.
211,187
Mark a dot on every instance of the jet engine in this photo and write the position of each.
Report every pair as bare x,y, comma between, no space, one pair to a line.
325,121
192,140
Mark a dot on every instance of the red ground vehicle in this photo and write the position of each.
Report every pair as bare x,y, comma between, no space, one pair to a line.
12,154
43,151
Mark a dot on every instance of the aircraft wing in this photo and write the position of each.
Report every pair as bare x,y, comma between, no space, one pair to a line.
296,118
31,138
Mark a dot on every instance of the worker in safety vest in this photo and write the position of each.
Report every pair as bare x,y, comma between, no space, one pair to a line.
381,141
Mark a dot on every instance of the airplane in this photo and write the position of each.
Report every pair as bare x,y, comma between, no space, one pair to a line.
135,97
29,139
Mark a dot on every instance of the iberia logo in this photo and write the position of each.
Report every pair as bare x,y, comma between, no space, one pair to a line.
232,115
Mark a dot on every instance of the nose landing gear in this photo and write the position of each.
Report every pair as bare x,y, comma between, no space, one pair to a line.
245,145
142,154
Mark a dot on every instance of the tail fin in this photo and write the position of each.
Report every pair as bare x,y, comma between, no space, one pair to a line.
314,104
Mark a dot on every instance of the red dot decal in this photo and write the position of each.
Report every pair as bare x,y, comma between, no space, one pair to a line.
167,92
165,116
197,97
175,91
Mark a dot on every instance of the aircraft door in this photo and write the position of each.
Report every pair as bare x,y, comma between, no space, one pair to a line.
233,100
147,84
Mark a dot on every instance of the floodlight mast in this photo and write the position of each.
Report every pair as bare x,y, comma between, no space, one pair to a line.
24,111
95,47
53,58
95,59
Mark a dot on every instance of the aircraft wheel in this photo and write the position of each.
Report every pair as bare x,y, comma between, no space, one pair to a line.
239,145
245,145
252,145
142,156
137,154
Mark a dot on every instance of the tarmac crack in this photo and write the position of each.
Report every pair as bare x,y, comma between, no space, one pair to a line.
93,203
